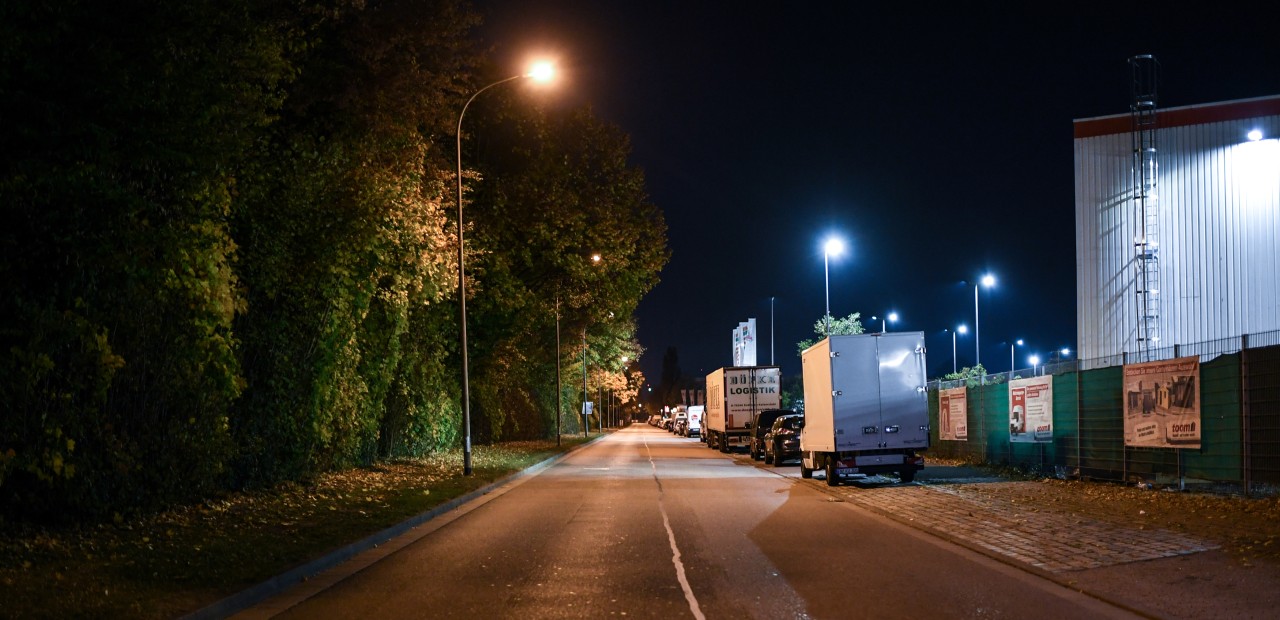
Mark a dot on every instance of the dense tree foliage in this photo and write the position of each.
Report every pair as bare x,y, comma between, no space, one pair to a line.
230,254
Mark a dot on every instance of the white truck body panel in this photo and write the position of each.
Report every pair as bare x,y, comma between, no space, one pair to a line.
865,392
736,393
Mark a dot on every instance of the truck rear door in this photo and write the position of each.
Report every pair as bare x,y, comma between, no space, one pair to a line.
904,409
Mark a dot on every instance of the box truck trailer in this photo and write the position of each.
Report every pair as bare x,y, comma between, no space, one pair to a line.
734,395
866,408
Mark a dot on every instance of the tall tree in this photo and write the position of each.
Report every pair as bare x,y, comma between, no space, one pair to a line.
123,124
851,324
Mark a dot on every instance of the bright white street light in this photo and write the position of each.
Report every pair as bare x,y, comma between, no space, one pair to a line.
1255,135
1035,361
892,317
1011,347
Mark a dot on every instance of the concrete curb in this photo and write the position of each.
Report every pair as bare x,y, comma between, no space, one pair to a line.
251,596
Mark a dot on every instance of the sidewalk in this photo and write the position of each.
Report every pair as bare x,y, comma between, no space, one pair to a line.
1161,554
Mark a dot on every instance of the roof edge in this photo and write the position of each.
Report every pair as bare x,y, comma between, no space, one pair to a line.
1182,116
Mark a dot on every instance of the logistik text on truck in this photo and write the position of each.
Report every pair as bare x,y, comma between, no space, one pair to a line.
734,396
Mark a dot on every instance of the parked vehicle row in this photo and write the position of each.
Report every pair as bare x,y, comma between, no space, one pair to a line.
866,409
684,421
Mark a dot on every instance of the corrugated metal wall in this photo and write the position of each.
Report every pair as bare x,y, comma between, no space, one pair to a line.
1219,199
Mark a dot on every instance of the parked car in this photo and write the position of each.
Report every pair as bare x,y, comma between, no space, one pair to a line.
693,426
761,425
782,442
655,420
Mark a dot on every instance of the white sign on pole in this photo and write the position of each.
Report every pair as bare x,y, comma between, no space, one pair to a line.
744,344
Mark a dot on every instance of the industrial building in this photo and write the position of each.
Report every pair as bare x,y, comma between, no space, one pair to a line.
1177,229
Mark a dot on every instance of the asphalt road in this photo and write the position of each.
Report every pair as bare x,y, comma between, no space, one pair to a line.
645,524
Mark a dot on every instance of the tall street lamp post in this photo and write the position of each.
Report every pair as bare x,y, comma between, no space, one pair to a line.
1011,347
771,331
541,72
559,407
833,247
959,330
987,281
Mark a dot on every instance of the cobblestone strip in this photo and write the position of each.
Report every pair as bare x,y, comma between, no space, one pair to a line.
1041,536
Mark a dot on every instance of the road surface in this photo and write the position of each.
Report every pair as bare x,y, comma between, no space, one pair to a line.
644,524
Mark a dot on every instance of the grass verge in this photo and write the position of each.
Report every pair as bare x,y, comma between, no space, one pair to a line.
172,563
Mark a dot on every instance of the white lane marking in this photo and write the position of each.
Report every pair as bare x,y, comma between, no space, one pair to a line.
671,537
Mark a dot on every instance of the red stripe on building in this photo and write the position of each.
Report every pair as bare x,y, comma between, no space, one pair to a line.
1181,117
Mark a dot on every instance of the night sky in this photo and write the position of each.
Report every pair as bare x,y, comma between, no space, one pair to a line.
938,145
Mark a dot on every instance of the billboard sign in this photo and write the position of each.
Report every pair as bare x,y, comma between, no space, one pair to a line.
953,414
1031,410
1162,404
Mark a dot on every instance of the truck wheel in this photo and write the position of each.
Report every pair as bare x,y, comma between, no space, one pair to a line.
907,475
724,445
805,472
833,479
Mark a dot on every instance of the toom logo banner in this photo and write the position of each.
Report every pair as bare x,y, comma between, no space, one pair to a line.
1162,404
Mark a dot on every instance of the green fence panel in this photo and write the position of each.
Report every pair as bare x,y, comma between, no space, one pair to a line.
1101,452
1261,379
1219,458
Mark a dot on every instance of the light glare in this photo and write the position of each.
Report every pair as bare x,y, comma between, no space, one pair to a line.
541,72
1255,135
834,246
988,280
963,329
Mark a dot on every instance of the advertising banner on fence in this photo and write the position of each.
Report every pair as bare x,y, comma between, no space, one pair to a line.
1031,410
1162,404
953,414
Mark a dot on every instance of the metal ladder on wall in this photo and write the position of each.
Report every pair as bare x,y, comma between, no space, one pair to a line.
1146,208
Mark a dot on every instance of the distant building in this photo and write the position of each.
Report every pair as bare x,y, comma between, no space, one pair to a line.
1202,237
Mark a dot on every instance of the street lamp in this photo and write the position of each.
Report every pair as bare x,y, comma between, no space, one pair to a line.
959,330
833,247
987,281
1011,347
892,318
540,72
771,331
1035,361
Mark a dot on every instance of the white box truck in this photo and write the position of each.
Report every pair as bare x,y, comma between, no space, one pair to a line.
866,410
734,395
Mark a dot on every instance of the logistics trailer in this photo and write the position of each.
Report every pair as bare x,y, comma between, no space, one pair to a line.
734,395
866,408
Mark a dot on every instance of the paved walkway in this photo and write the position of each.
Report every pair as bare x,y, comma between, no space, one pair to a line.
1001,518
